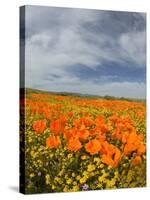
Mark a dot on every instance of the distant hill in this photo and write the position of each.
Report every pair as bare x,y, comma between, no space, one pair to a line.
89,96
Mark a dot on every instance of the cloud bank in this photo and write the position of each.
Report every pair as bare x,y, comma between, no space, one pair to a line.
86,51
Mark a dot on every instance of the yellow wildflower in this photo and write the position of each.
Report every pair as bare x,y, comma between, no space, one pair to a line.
101,166
69,181
30,140
61,173
110,183
32,175
69,155
53,187
57,179
74,183
78,177
97,160
65,189
83,180
47,177
90,168
101,179
75,188
85,173
83,157
73,174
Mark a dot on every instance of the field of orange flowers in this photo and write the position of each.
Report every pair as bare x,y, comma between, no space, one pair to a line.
78,143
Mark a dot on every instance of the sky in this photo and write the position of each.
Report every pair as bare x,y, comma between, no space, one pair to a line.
85,51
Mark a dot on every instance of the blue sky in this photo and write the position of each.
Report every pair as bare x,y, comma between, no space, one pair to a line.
87,51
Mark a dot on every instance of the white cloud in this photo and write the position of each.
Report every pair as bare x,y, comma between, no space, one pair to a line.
133,45
122,89
57,40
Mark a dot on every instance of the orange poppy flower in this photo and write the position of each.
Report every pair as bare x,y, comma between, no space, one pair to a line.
134,143
129,148
101,138
107,148
70,114
95,131
53,141
47,114
99,120
87,121
117,157
114,118
112,160
93,146
39,126
137,160
76,123
106,159
129,127
71,133
57,126
104,128
125,137
83,133
117,133
141,150
74,144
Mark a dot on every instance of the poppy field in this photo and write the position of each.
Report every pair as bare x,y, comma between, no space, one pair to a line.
77,143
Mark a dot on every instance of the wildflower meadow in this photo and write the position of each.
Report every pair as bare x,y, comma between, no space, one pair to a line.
80,143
